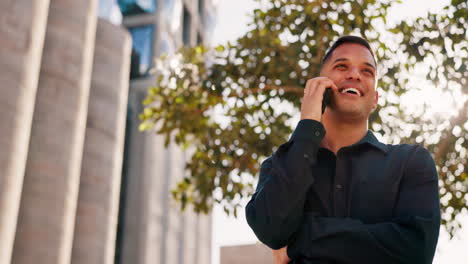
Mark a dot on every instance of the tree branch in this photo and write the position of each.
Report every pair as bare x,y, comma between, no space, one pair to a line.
290,89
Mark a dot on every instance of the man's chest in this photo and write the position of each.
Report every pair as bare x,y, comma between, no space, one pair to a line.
352,186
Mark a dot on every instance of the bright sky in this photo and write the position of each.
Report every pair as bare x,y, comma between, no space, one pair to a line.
231,24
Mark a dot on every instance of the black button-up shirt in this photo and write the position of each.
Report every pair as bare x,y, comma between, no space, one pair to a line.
371,203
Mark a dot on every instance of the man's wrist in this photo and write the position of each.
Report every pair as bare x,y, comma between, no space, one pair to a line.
311,117
309,129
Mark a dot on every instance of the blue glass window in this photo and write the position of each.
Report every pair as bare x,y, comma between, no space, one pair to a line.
199,39
142,51
201,8
167,44
132,7
110,11
187,27
209,22
173,14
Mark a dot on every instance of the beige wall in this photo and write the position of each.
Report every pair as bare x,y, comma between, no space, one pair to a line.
97,211
254,253
48,202
22,32
65,141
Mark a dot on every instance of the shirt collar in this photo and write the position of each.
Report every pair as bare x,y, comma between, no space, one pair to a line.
370,139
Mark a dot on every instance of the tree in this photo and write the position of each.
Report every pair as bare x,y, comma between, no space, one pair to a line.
440,43
233,105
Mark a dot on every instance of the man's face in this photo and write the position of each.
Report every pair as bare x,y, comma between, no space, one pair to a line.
352,68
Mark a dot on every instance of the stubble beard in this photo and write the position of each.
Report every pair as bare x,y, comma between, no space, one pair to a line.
348,111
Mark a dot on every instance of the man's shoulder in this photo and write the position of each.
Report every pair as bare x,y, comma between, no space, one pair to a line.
413,155
398,149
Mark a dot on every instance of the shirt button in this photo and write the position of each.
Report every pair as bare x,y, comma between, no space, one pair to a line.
338,186
317,133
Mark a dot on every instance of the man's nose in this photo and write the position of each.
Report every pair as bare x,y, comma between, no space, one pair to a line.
354,74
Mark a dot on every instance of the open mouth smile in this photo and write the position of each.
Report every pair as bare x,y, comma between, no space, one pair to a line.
351,91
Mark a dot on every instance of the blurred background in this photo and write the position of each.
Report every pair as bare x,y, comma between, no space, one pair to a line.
133,129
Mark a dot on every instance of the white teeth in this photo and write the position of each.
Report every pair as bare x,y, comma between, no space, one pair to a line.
351,90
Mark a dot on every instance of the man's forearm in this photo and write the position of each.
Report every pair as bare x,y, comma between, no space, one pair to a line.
349,241
409,237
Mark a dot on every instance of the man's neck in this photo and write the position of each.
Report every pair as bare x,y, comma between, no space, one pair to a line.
340,133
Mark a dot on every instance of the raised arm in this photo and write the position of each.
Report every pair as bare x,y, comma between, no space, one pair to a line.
276,209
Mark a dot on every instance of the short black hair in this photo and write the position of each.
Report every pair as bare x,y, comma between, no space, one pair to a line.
347,39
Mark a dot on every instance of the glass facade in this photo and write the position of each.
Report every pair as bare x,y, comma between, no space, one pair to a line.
201,9
110,11
167,45
173,14
199,39
209,22
169,22
142,51
186,31
133,7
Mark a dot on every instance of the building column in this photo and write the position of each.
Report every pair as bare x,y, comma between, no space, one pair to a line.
175,227
22,32
134,193
190,242
204,241
97,210
50,190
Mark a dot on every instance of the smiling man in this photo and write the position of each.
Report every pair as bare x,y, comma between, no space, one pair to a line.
334,194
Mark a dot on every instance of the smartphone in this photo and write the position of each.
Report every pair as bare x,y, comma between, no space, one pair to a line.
326,99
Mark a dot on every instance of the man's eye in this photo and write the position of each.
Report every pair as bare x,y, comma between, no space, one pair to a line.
369,71
340,66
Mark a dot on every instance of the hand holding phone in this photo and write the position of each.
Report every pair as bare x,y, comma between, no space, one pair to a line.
317,96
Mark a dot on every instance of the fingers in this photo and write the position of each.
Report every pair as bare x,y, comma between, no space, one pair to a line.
311,105
318,86
321,84
306,90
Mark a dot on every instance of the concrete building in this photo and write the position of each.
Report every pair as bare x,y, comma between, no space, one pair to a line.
151,227
46,217
63,173
253,253
97,210
21,40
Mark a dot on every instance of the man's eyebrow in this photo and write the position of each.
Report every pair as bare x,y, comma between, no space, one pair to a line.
344,59
370,65
340,59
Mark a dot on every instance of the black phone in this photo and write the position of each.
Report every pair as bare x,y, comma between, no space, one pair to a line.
326,99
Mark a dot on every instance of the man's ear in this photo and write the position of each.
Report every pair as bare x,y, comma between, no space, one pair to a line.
376,100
